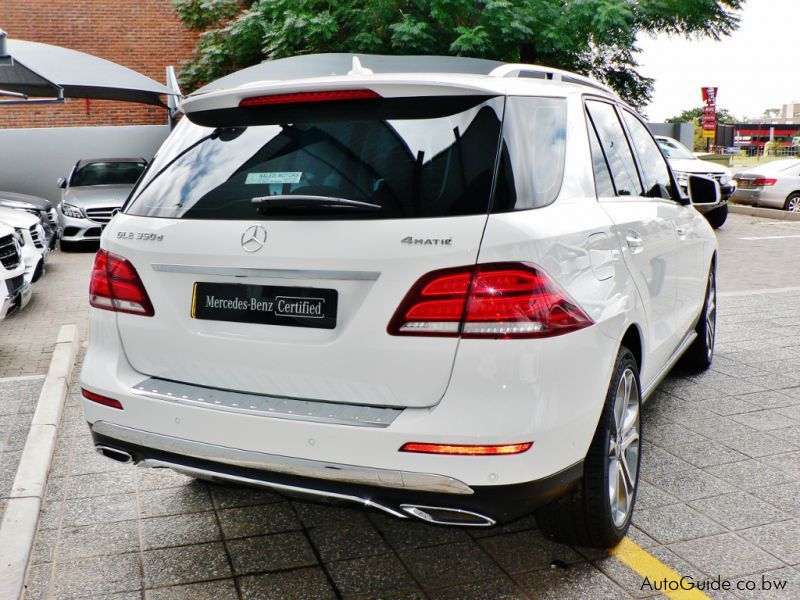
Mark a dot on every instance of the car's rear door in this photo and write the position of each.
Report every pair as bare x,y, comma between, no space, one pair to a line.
258,293
690,226
645,229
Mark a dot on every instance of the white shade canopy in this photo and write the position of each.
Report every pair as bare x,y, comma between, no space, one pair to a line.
47,71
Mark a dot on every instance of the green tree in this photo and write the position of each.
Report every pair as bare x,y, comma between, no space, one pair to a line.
594,37
692,115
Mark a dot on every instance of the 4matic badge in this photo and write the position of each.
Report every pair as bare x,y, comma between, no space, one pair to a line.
427,241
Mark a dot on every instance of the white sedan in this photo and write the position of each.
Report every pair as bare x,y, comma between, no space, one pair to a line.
772,185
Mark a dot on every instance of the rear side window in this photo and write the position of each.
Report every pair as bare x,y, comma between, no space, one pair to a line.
412,157
107,173
658,183
532,154
602,178
616,148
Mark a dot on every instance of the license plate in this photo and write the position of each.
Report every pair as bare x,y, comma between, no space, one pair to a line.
265,304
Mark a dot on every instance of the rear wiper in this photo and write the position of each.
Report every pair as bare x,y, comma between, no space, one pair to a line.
301,201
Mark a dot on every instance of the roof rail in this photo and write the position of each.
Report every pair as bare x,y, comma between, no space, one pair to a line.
541,72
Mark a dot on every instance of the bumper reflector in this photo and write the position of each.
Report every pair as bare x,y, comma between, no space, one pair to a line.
101,399
466,450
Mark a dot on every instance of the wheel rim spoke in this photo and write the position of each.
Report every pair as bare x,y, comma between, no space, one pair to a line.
630,424
619,407
613,484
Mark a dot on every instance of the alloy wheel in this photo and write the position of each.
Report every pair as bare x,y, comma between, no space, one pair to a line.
623,452
794,204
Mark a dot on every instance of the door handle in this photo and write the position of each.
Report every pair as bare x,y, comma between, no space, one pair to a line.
635,242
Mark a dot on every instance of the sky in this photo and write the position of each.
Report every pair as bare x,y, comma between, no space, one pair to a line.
756,68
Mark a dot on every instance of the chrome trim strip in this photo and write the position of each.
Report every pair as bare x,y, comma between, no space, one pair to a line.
268,273
106,450
684,345
325,471
262,405
206,474
420,511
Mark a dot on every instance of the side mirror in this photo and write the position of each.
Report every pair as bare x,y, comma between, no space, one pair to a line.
703,190
62,183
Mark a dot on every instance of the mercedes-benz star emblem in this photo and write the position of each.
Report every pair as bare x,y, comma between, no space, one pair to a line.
254,238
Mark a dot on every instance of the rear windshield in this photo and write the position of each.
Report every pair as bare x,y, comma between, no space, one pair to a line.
407,158
108,173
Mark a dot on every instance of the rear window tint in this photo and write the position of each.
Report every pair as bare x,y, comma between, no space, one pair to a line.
532,156
412,157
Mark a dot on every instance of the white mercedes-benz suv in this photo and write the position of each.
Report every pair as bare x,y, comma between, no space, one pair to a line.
438,287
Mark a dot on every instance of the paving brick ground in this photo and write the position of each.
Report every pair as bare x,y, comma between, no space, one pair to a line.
18,399
758,263
720,482
27,337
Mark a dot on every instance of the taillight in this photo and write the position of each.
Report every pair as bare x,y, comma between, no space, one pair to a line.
497,300
466,449
303,97
116,286
101,399
765,181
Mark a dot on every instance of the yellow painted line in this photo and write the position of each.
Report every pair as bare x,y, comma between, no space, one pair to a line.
647,565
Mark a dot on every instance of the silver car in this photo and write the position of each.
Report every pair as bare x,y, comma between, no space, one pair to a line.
774,184
92,194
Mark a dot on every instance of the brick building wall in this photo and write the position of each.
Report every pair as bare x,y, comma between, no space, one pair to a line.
143,35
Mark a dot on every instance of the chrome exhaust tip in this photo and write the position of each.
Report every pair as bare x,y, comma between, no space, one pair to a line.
447,516
114,454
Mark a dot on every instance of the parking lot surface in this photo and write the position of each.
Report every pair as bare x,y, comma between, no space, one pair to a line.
27,337
718,496
18,402
758,254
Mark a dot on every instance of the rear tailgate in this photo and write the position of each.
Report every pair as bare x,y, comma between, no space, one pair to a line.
295,302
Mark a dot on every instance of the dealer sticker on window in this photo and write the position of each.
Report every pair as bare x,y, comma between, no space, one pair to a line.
274,177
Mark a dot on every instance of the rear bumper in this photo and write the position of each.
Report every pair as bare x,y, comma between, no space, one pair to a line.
400,494
757,198
499,393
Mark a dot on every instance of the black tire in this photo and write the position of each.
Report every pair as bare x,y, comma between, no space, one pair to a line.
792,203
700,354
584,516
717,217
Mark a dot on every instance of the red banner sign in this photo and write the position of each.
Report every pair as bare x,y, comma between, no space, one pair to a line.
709,120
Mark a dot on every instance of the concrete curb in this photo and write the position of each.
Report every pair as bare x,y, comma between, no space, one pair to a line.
767,213
21,517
